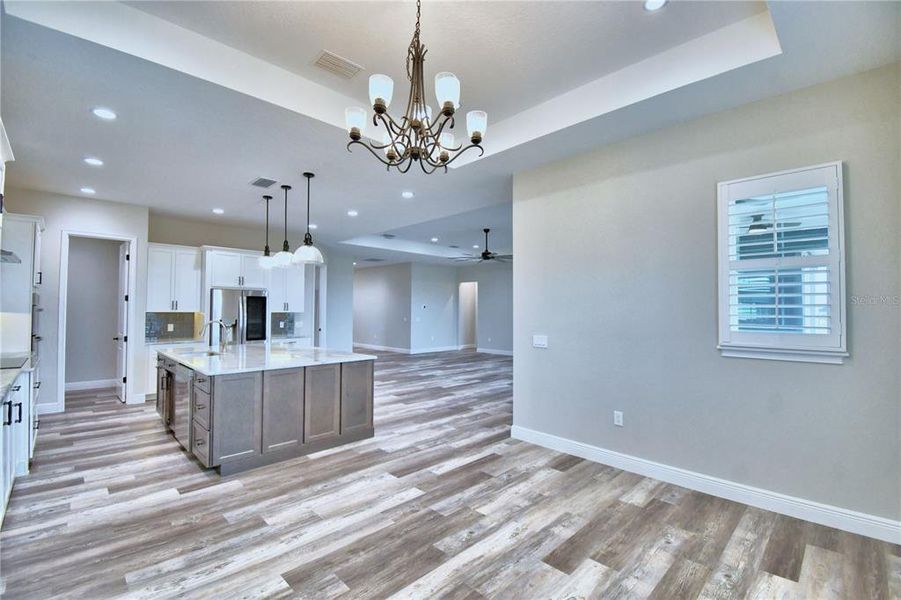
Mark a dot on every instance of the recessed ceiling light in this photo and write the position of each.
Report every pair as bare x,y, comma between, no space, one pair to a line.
355,264
352,213
652,5
88,190
407,194
218,211
476,246
93,161
314,226
434,240
106,114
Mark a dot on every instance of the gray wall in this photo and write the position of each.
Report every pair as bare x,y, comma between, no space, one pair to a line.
85,216
92,308
433,302
381,306
627,296
495,305
339,301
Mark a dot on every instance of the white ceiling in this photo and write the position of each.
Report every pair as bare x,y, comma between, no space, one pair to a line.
184,144
508,55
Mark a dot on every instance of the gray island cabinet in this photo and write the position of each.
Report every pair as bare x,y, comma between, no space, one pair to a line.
256,405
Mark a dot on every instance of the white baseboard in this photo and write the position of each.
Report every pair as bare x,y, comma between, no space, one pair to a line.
75,386
824,514
383,348
435,349
467,347
493,351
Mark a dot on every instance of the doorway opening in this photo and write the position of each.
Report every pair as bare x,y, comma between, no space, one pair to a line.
468,327
96,318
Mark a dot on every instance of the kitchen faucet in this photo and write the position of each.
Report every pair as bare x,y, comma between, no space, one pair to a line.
225,333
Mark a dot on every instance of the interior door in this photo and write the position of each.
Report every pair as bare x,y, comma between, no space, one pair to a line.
121,338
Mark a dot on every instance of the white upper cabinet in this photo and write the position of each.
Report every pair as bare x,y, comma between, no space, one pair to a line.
224,268
160,268
253,275
286,289
187,279
278,290
235,268
173,278
295,288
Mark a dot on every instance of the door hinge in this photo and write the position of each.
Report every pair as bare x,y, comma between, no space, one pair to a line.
125,380
125,339
128,257
126,297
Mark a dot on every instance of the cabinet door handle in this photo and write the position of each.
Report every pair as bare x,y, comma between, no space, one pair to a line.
40,277
199,406
8,420
199,442
176,305
37,423
37,385
19,414
16,388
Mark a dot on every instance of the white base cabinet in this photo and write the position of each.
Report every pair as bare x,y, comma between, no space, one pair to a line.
16,434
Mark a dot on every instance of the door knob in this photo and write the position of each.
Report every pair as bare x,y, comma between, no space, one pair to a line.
116,338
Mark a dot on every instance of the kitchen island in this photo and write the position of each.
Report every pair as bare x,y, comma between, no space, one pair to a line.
254,404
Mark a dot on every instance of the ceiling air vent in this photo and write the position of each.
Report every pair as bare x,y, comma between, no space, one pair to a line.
388,236
373,260
336,65
262,182
453,246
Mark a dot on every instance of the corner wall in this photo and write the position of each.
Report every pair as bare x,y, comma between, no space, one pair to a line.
381,307
86,216
627,296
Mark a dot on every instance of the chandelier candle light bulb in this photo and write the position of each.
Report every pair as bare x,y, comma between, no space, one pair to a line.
417,135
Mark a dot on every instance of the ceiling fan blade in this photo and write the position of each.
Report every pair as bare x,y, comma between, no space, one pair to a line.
504,256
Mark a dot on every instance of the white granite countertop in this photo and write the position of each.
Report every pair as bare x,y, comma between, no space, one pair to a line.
255,357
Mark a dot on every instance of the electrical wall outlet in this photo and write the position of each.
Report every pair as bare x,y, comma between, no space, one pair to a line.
618,418
170,327
281,324
539,341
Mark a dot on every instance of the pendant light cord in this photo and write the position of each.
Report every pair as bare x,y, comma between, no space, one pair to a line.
285,247
266,250
308,238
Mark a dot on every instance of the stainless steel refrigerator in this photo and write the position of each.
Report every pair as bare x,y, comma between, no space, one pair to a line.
243,310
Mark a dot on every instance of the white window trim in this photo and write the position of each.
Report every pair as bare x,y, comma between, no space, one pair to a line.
780,347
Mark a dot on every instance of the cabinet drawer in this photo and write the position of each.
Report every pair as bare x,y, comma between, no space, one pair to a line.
200,446
201,407
202,382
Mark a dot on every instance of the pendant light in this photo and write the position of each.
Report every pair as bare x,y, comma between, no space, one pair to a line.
267,261
308,253
284,258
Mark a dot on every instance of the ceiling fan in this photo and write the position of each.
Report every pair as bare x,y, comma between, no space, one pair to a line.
486,254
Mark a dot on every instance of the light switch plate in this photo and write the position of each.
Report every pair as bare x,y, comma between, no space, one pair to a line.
170,327
281,324
539,341
618,418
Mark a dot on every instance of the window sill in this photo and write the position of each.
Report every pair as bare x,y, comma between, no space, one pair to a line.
828,357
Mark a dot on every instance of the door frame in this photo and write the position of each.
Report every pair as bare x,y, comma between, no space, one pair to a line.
475,316
132,241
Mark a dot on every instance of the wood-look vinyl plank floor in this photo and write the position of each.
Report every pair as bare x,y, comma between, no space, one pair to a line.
441,503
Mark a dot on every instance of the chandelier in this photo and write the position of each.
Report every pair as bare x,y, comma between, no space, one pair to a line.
416,136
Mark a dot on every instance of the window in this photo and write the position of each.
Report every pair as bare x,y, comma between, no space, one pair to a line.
781,266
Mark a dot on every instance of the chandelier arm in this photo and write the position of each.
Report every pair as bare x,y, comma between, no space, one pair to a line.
460,153
365,145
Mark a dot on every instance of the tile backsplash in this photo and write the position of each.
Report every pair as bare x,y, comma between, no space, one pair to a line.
287,325
172,326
